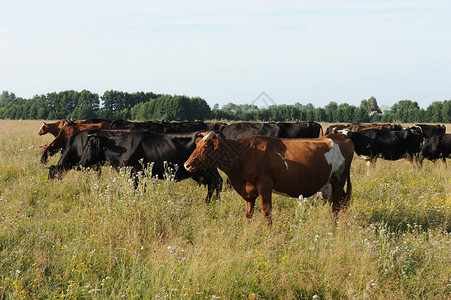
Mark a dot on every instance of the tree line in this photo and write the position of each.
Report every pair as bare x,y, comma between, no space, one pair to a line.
111,105
149,106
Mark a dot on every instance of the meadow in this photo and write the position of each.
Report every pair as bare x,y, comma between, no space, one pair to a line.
96,237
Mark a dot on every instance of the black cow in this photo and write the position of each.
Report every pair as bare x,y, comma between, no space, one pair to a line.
299,130
432,130
87,121
70,157
188,126
216,127
244,129
139,148
160,126
389,145
436,147
280,130
154,126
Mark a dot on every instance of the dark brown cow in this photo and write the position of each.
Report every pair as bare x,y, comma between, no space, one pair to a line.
258,165
216,127
432,130
361,127
66,132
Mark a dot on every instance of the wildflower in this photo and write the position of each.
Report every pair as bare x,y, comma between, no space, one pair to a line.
139,255
122,296
116,257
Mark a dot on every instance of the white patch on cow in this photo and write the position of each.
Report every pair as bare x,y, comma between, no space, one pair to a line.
345,131
43,123
284,161
327,191
335,158
208,136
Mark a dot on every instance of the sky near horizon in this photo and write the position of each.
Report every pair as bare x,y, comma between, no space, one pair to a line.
231,51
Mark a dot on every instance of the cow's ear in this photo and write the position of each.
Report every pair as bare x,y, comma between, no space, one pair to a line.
210,138
96,141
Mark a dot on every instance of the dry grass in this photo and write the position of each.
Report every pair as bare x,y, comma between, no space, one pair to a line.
96,237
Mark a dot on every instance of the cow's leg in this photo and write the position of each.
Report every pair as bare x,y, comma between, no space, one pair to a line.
250,203
134,175
218,187
420,161
337,192
45,155
249,194
98,170
265,192
266,207
371,163
214,184
210,191
345,197
415,158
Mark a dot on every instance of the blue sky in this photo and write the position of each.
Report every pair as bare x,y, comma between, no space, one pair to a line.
231,51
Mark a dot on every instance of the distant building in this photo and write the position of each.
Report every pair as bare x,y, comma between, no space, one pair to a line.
385,110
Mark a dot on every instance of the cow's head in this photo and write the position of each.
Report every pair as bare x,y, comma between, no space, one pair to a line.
93,153
55,172
206,154
44,129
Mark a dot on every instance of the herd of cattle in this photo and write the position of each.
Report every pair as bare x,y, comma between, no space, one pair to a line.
258,158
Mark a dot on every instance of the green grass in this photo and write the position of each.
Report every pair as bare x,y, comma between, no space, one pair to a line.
91,237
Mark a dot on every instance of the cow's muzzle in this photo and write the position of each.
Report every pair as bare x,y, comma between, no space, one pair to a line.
189,166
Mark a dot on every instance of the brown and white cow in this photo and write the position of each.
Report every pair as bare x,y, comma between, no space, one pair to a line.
258,165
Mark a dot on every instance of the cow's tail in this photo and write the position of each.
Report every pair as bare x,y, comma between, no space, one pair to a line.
347,195
348,186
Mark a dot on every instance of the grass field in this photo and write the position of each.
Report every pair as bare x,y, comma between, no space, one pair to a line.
91,237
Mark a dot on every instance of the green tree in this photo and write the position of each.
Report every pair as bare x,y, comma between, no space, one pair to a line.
330,110
6,97
405,111
434,112
446,112
372,103
320,115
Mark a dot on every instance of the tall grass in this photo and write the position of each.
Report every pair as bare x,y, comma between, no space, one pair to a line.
96,237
